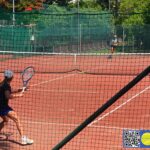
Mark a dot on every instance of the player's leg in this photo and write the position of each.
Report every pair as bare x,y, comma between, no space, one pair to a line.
13,116
24,139
111,52
4,122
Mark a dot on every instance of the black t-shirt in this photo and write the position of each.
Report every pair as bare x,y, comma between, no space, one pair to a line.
4,86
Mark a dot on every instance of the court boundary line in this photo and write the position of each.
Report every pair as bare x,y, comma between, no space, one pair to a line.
75,125
115,109
67,91
51,80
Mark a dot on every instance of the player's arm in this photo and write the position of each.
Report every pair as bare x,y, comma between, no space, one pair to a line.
16,90
19,90
10,95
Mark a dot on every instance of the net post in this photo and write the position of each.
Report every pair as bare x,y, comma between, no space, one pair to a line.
102,108
75,60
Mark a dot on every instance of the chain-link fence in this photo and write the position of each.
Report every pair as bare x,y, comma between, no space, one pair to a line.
72,32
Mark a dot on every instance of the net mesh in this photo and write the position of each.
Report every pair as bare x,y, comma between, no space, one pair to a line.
70,33
74,76
53,32
67,88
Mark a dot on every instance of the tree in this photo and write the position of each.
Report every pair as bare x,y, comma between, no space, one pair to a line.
103,3
63,2
89,5
59,2
49,1
134,12
21,5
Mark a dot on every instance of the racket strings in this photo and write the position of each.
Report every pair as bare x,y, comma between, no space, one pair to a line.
27,75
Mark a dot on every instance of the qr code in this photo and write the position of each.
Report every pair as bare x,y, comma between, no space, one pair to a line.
131,138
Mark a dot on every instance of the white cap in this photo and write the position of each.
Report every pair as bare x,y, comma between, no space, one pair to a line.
8,73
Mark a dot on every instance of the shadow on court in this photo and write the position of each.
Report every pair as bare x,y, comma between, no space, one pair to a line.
5,145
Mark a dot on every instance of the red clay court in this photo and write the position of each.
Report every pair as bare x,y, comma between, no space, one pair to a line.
66,89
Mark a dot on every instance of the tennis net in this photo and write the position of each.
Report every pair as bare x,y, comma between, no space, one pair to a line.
86,63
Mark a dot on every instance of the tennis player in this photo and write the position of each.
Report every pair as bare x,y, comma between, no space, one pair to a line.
114,43
6,112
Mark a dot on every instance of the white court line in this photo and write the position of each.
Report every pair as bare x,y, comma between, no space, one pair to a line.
51,80
73,125
65,91
112,111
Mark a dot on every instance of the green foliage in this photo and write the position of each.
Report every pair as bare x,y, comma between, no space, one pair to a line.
59,2
147,14
104,3
131,12
62,3
134,12
20,5
89,5
54,9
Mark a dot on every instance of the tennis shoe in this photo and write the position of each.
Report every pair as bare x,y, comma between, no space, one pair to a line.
110,57
26,141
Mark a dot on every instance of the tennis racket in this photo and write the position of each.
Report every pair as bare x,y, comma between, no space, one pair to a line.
27,75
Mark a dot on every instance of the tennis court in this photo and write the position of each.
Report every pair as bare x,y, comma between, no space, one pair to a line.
67,88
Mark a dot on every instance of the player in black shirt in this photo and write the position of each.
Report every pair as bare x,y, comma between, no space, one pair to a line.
6,112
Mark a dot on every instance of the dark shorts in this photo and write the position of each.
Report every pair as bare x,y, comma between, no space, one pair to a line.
113,46
5,111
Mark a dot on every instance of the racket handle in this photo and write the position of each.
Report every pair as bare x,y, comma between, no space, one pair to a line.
23,89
